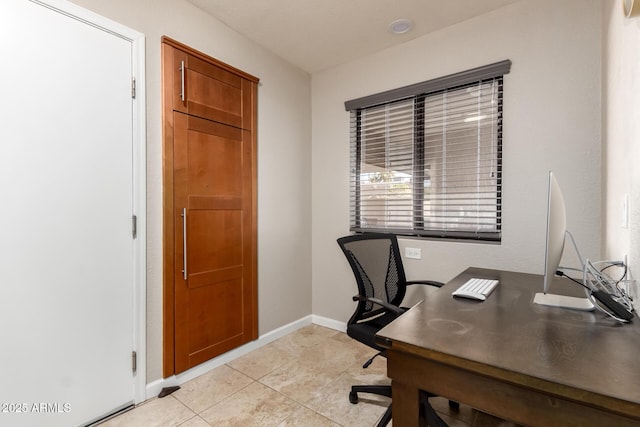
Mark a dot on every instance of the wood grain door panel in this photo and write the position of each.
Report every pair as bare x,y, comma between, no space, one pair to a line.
214,245
213,93
209,160
209,332
211,304
205,90
215,159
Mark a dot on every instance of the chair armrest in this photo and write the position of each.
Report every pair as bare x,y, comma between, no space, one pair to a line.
426,282
390,307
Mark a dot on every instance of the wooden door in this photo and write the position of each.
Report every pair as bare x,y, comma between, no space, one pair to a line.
210,208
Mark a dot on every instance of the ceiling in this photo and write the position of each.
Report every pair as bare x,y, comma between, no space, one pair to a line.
319,34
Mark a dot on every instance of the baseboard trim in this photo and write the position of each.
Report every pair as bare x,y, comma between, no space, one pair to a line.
155,387
329,323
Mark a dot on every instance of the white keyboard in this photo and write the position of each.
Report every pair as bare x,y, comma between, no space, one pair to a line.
475,288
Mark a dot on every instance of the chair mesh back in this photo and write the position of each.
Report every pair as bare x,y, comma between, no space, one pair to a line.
392,281
376,269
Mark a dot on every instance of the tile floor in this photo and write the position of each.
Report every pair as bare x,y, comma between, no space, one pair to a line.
302,379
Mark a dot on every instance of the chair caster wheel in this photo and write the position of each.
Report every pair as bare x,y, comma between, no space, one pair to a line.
353,397
454,405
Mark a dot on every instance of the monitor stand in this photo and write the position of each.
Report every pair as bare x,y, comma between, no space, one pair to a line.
562,301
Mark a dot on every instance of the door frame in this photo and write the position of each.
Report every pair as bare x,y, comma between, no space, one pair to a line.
139,167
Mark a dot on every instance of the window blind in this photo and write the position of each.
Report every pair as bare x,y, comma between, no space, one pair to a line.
429,164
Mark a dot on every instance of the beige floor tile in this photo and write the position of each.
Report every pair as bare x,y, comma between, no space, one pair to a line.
333,401
357,346
212,387
304,338
321,356
165,412
299,380
302,379
195,422
262,361
255,405
307,417
377,367
334,354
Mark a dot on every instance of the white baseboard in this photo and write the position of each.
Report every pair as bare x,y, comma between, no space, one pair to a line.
155,387
328,323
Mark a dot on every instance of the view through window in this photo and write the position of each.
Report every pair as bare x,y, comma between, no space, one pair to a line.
430,164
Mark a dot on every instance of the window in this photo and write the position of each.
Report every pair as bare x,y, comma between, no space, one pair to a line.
426,159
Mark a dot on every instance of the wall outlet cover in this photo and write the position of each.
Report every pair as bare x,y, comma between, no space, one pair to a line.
413,253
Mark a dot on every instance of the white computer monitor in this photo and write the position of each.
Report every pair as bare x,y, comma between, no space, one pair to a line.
556,232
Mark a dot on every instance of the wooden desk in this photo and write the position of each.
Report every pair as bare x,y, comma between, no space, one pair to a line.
531,364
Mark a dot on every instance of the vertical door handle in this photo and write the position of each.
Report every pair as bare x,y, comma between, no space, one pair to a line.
184,243
182,96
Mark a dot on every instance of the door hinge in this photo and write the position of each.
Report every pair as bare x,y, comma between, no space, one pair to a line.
133,87
134,226
134,361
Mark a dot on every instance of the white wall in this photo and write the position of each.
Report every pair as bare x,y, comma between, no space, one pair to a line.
621,136
284,127
552,121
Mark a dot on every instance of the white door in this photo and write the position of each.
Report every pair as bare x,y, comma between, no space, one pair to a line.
66,204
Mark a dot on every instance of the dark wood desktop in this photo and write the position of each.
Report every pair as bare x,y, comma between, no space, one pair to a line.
531,364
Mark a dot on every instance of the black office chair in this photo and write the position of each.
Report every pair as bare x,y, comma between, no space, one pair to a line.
377,266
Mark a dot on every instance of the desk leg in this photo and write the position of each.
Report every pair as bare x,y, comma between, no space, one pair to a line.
405,404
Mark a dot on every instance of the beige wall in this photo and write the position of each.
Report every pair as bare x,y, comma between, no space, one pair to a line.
283,159
553,120
621,136
552,116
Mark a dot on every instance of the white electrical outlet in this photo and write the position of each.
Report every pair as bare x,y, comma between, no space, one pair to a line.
413,253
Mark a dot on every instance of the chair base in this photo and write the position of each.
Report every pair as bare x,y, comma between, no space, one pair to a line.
386,417
426,411
381,390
